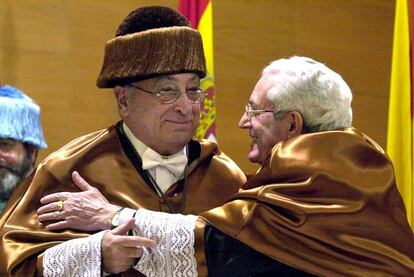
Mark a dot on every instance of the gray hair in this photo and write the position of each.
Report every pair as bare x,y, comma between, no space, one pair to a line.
319,94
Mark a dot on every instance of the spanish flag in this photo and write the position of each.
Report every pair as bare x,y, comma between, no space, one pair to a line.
400,143
200,15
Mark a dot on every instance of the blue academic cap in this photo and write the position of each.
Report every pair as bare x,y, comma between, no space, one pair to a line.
20,117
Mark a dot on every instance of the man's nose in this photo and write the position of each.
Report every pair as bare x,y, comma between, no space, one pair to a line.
183,104
244,122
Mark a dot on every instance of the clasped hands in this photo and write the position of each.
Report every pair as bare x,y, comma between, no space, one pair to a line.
89,210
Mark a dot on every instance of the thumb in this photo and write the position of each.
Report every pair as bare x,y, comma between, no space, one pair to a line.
125,227
80,182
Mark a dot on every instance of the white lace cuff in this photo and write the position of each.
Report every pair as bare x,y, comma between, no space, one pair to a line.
125,215
174,253
75,257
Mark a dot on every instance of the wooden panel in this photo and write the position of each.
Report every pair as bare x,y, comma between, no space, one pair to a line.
53,51
353,37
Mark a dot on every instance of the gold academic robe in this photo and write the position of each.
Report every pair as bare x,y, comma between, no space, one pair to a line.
105,159
325,203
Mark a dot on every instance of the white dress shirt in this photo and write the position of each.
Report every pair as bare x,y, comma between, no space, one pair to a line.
161,174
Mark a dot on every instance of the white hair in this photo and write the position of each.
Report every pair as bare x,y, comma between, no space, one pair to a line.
319,94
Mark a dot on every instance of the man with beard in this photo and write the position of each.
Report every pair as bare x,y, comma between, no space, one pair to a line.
21,137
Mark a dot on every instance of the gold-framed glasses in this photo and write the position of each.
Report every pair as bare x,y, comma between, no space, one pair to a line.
168,96
250,112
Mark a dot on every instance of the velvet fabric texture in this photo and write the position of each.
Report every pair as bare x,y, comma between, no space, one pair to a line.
325,203
151,53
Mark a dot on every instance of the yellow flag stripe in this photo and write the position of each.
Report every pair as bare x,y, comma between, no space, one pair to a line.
205,27
399,137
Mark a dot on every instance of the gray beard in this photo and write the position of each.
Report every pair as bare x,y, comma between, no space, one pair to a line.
12,175
9,182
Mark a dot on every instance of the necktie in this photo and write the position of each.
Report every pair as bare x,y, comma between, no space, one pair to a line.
167,168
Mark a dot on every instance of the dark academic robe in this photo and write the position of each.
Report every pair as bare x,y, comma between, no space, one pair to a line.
324,203
107,160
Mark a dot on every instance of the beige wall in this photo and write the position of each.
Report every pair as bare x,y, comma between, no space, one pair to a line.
53,50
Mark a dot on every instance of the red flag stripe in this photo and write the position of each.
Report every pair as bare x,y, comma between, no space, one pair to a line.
193,10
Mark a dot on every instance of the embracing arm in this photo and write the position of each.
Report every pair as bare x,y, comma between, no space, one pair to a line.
21,230
174,233
182,244
187,245
90,210
87,210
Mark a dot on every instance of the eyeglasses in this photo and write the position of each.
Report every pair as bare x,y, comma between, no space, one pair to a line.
252,112
168,96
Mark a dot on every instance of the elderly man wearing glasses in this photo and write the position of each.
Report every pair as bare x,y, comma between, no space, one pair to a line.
323,203
149,159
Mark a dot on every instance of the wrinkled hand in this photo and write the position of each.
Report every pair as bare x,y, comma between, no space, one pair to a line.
87,210
119,252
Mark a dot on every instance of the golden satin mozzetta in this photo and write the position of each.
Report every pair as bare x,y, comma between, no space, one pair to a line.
325,203
100,159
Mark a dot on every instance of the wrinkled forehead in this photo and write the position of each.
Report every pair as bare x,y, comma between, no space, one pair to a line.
259,95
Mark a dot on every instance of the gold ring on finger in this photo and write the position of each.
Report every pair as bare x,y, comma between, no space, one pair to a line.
61,204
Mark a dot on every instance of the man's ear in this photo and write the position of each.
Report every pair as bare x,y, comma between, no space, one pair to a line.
296,124
121,95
